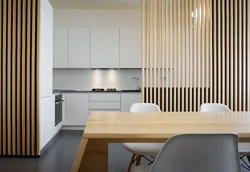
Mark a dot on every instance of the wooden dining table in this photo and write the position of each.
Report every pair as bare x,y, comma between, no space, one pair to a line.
118,127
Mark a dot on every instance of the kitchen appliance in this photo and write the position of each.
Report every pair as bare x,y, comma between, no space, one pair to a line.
58,108
98,89
111,89
102,89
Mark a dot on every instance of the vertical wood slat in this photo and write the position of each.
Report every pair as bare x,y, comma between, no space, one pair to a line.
198,57
1,57
247,54
4,121
147,29
187,29
33,77
179,56
239,100
244,55
219,53
37,81
28,59
227,54
235,53
163,39
223,86
23,78
178,66
183,57
9,30
155,49
203,51
195,51
167,53
215,55
151,12
18,100
191,58
143,40
211,50
175,42
13,114
159,49
207,48
171,54
231,54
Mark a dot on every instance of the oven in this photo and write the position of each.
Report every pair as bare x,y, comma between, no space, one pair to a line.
58,108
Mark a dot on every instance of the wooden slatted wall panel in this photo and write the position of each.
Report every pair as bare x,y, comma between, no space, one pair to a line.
194,52
230,52
19,69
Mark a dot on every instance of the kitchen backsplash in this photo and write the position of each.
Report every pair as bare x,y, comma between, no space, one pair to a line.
86,79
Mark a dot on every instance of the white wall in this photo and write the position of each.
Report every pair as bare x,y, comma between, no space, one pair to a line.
130,18
84,79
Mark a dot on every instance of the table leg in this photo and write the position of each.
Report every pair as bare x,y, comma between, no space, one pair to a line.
92,156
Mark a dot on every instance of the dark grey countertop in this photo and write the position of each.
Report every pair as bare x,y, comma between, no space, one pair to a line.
89,91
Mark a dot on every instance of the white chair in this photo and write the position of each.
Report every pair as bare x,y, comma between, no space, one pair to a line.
197,152
214,107
141,149
244,148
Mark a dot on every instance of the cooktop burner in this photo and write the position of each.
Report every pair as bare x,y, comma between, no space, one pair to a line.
111,89
102,89
98,89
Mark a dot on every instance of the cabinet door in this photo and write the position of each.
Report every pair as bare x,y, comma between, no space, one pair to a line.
79,45
77,109
47,120
127,99
105,48
130,48
46,55
61,48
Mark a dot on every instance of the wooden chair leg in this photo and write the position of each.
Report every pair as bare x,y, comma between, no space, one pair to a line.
131,162
138,161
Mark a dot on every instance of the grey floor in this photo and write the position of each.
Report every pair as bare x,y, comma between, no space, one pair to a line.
60,154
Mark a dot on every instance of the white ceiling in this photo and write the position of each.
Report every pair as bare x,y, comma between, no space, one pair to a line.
96,4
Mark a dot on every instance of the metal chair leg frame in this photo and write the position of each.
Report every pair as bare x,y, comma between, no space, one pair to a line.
245,163
150,161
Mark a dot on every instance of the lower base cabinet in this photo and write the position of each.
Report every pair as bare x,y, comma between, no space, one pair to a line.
127,99
77,109
78,106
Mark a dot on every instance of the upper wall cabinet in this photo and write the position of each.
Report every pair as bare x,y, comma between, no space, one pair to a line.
105,48
79,48
61,48
130,48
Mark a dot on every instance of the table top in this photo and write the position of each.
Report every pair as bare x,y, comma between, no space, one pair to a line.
165,124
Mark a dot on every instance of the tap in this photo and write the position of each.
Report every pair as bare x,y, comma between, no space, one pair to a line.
138,83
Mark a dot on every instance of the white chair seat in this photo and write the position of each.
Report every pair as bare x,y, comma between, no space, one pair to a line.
148,149
141,168
244,148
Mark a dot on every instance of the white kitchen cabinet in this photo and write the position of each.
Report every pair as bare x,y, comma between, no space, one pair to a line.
61,48
79,48
46,53
127,99
105,105
77,109
105,97
105,48
130,48
47,120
